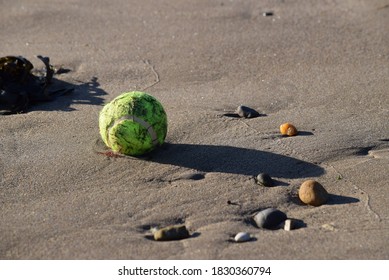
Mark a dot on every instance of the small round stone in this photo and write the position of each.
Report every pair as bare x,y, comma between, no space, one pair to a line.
269,218
288,129
246,112
264,179
242,237
171,233
313,193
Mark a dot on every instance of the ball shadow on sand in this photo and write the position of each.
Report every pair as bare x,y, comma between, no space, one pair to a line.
234,160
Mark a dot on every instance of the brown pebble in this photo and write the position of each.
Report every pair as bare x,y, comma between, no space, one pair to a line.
313,193
288,129
171,233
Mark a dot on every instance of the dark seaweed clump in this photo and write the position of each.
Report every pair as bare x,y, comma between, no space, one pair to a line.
19,87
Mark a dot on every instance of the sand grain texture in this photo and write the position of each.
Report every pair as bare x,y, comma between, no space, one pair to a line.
323,67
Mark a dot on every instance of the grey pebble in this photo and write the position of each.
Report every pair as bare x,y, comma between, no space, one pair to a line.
242,237
269,218
264,179
246,112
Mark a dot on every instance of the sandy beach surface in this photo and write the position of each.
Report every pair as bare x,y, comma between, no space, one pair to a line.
321,65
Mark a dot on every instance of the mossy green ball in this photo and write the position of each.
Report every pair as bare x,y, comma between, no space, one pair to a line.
134,123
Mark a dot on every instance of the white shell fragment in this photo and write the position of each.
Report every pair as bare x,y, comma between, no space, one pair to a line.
289,224
242,237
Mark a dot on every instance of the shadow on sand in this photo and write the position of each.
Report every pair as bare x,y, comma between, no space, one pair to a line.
335,199
88,93
235,160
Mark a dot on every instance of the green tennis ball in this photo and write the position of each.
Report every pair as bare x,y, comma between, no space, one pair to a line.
134,123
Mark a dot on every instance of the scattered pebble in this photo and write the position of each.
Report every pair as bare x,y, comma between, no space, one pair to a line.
288,129
242,237
267,14
290,224
313,193
264,179
246,112
329,227
269,218
171,233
